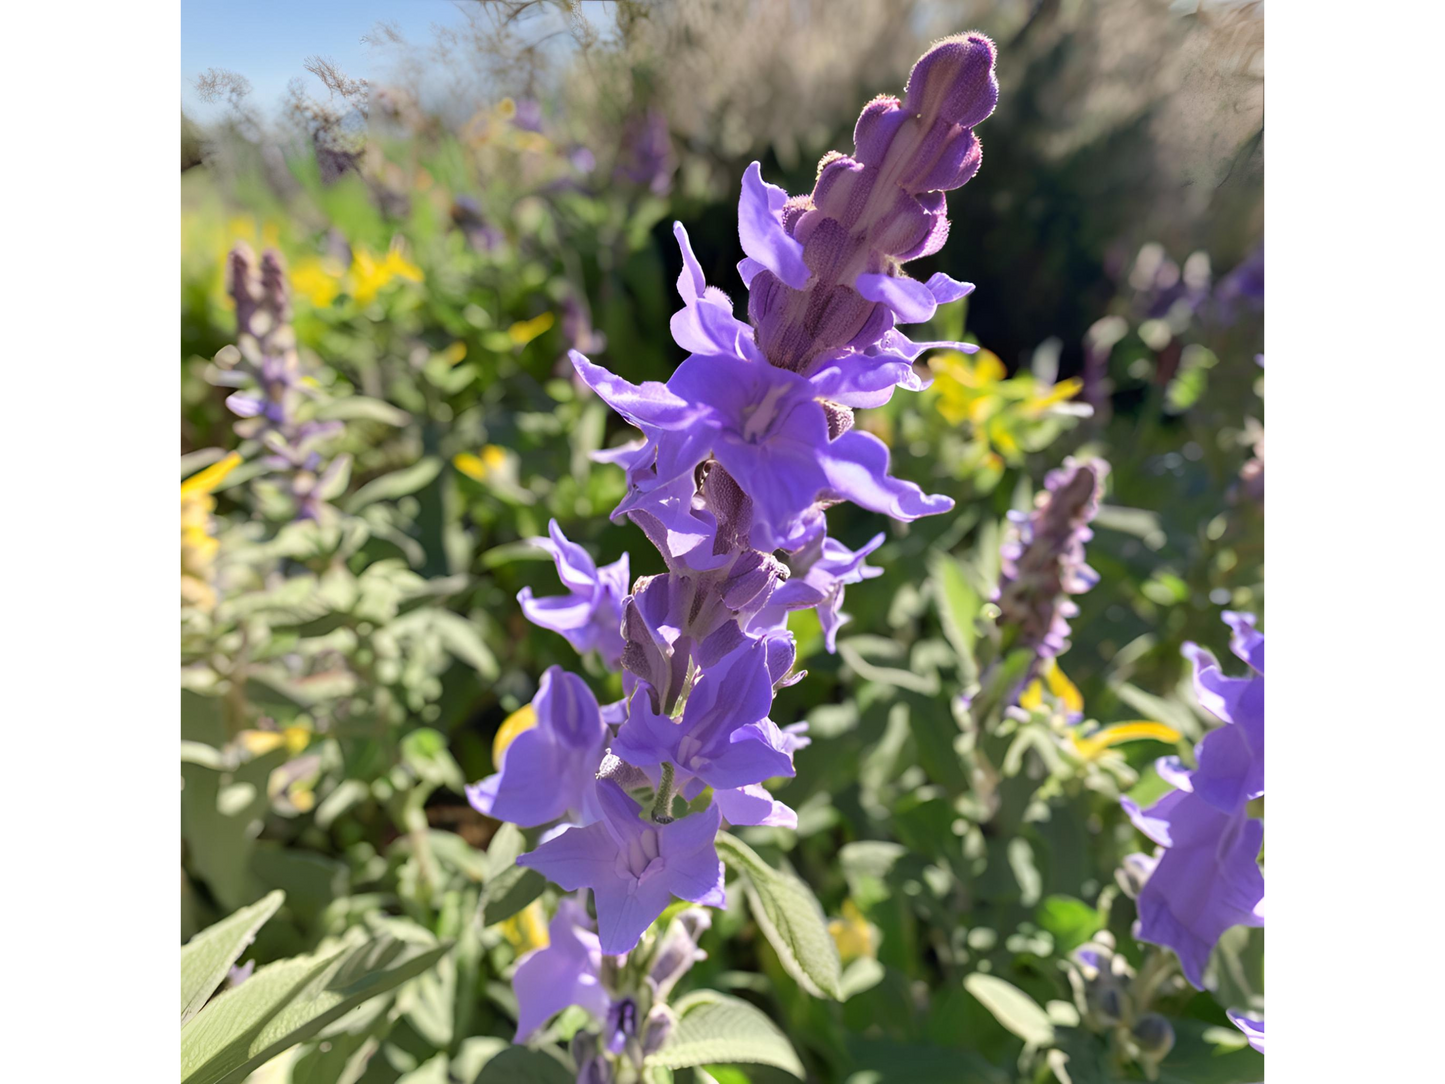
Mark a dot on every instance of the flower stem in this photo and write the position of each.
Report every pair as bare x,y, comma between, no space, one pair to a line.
662,805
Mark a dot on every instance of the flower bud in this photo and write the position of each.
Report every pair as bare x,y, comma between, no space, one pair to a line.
677,950
658,1029
1154,1036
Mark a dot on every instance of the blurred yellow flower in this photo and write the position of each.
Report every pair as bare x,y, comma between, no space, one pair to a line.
853,934
455,354
318,279
479,467
368,274
521,720
979,392
525,331
527,929
198,543
1064,690
1139,730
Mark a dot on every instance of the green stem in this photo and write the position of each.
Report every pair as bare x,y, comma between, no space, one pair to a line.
662,805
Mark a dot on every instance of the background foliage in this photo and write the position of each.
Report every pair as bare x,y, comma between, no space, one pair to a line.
508,194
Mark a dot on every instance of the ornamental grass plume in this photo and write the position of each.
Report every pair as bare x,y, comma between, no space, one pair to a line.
1043,558
741,452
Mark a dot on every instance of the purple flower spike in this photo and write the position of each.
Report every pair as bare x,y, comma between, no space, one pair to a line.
1253,1029
1207,880
547,770
1043,557
564,973
633,866
590,616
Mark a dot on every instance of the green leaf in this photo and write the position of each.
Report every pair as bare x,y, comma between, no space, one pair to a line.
508,892
714,1027
789,915
518,1065
464,640
360,408
1012,1008
958,606
210,954
1069,920
289,1001
396,484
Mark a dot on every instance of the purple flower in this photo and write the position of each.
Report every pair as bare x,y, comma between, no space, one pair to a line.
633,866
769,430
590,615
823,270
1043,557
566,972
548,770
725,738
1231,757
1253,1029
1206,880
819,573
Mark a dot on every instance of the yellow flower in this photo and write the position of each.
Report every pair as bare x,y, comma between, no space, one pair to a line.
479,467
368,274
527,929
318,279
198,543
525,331
1061,392
1064,690
455,354
853,934
1091,747
520,721
967,390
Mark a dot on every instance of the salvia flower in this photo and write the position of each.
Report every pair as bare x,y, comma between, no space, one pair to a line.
1253,1029
547,770
1207,877
1043,557
633,865
566,972
589,616
275,388
740,454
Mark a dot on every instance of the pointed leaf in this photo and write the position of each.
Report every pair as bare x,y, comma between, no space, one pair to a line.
1012,1008
210,954
789,915
289,1001
714,1027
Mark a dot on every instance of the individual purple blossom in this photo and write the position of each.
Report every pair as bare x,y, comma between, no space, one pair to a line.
635,867
1253,1029
724,739
819,572
1207,879
1230,759
547,771
566,972
590,614
1043,557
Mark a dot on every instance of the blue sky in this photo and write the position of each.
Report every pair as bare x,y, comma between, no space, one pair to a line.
268,41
